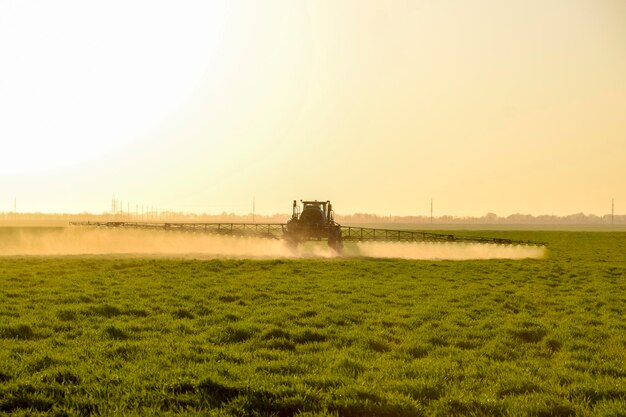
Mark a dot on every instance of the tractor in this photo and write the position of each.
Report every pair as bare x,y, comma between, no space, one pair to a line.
315,222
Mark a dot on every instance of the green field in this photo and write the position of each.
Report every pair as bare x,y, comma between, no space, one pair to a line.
351,337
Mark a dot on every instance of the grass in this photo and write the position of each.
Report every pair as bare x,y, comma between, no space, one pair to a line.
348,337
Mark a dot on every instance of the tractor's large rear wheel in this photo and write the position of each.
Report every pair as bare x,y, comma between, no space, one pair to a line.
290,241
335,242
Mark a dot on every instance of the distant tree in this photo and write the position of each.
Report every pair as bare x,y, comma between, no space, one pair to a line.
491,217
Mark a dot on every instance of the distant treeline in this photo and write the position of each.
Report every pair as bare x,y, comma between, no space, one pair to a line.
489,218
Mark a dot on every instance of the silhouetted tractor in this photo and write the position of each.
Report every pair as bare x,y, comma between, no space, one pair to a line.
315,222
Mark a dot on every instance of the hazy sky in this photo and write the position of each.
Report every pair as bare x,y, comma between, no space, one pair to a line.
483,105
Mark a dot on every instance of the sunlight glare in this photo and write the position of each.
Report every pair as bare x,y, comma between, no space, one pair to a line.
81,79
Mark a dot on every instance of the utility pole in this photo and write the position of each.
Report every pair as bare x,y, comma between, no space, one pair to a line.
431,211
253,208
612,211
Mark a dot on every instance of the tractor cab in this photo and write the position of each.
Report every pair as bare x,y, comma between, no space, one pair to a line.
313,213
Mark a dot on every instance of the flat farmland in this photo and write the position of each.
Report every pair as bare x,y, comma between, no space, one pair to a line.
128,335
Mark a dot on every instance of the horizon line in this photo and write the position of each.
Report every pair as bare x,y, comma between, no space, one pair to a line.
161,213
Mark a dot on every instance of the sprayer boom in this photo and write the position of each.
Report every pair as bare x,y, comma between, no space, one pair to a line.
315,221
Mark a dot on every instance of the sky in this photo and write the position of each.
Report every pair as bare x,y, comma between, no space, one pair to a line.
483,106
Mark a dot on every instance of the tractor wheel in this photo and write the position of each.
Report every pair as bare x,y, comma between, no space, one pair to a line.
335,242
291,242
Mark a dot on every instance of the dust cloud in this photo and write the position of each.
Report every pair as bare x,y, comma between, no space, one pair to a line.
447,251
98,241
